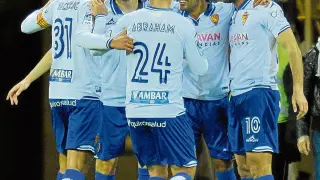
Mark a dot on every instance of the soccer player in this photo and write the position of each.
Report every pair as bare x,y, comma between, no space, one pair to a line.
114,129
255,101
74,89
160,131
206,97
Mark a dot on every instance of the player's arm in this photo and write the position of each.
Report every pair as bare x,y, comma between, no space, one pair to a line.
197,62
273,19
288,41
303,126
100,13
39,19
42,67
85,38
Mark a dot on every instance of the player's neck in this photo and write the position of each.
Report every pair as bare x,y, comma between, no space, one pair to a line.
160,3
238,3
127,5
199,10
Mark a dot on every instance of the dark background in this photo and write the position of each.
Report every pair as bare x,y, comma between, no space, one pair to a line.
20,126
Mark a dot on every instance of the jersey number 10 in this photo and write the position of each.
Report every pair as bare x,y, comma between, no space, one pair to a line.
143,51
62,34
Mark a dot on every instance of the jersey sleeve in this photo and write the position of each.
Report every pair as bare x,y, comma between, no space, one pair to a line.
100,22
99,27
39,19
120,26
196,60
84,35
274,20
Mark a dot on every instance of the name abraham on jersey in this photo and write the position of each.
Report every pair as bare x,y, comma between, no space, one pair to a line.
239,39
149,97
60,75
72,5
208,39
153,27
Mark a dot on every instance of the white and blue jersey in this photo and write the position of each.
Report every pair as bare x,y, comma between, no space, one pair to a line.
252,37
212,33
154,69
254,105
73,74
113,70
74,77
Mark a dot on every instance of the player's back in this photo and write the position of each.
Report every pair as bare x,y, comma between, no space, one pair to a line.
155,67
72,73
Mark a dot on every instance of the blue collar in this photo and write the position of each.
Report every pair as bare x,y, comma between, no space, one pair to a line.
243,5
116,10
210,10
157,9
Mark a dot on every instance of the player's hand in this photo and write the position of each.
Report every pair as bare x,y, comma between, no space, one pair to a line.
261,2
299,101
304,145
122,42
16,91
98,7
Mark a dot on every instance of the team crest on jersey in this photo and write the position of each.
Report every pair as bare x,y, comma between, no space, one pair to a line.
215,18
245,17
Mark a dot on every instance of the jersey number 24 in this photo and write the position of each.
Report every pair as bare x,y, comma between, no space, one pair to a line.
140,75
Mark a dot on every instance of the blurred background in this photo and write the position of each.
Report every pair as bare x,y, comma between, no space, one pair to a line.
27,141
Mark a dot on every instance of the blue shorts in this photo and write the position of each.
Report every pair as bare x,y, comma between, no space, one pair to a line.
163,141
75,123
253,121
112,133
210,118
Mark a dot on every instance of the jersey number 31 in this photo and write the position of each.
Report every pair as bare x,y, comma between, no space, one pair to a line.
62,36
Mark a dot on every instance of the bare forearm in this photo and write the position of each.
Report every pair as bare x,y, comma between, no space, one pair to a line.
296,66
42,67
288,41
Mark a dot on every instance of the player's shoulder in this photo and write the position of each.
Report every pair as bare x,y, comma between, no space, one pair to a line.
181,19
224,9
274,10
273,6
182,23
221,6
